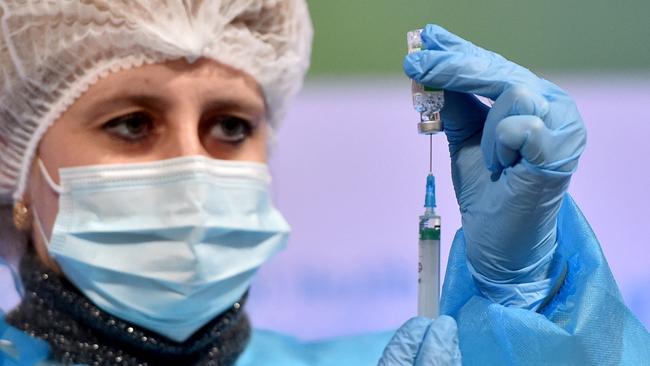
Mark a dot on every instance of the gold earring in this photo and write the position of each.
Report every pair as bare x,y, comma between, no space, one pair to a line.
22,216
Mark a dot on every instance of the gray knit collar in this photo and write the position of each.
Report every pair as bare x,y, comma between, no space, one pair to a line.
80,333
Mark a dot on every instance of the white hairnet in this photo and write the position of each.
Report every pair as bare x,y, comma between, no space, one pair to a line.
51,51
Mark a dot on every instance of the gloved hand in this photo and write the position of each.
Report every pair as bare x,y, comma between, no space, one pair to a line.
511,163
424,342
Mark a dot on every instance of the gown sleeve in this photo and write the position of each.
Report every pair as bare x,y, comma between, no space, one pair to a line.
584,323
273,349
19,349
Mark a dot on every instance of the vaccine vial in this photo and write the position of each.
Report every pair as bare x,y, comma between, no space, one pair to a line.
426,101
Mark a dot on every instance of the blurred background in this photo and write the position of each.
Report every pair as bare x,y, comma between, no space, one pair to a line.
350,167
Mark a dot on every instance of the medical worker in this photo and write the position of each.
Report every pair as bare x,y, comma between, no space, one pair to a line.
133,176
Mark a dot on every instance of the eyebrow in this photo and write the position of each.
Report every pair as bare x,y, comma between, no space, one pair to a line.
231,104
251,111
160,104
96,110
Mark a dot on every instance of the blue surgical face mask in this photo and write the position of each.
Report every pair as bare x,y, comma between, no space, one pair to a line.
166,245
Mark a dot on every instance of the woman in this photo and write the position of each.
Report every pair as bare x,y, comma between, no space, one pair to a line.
134,139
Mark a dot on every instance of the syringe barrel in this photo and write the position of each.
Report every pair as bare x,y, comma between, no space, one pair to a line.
429,266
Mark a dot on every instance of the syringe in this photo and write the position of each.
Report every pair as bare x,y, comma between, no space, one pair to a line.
429,255
429,103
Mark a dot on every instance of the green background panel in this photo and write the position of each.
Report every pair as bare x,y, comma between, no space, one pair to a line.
368,36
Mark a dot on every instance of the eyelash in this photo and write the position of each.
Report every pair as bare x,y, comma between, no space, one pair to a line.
244,128
113,125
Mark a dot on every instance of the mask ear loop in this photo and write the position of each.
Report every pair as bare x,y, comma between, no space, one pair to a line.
56,188
48,179
39,227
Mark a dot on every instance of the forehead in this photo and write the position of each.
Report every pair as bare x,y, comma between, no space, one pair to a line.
177,79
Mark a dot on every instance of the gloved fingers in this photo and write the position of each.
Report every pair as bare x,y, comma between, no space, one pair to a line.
524,136
440,344
403,348
552,141
463,115
435,37
554,152
467,73
516,100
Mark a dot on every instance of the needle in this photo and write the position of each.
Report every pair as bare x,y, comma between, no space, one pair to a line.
430,155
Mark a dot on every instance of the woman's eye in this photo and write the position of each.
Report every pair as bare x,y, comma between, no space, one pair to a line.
231,129
131,127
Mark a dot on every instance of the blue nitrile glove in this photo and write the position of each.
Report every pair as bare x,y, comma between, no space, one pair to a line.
511,164
424,342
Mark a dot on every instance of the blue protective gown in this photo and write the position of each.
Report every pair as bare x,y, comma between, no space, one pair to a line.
586,322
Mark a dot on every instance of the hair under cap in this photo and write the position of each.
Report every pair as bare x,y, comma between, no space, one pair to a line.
51,51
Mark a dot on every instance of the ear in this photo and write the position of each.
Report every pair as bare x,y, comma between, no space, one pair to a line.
22,210
13,242
22,216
